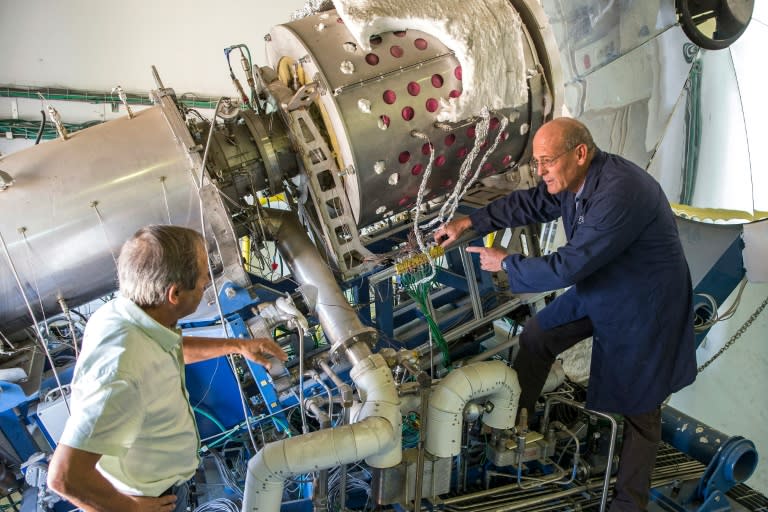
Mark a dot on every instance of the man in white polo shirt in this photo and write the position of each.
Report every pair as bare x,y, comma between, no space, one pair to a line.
131,436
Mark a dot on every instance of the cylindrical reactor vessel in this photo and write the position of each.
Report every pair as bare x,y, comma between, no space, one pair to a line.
74,202
373,101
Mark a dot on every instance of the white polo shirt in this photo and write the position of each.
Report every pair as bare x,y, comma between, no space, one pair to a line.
130,403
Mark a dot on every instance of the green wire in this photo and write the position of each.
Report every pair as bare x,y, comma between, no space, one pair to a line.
283,424
420,294
222,439
59,94
25,129
210,417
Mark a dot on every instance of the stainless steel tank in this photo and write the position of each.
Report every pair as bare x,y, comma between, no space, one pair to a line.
373,100
74,202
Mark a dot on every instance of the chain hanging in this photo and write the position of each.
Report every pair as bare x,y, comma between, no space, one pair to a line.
737,335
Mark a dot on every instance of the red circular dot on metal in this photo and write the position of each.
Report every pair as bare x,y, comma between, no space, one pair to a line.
389,97
408,113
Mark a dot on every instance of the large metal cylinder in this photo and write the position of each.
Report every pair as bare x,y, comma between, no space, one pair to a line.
730,459
373,101
74,202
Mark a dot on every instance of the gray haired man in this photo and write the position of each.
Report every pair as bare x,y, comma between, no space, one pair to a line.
131,442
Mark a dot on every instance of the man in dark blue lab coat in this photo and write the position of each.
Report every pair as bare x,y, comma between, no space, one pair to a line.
630,288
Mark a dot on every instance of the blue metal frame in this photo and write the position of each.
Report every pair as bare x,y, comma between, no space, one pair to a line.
722,278
389,316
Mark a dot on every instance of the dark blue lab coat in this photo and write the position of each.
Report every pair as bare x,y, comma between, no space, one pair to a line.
629,276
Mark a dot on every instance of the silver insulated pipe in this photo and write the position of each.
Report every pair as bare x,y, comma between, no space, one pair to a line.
340,322
376,434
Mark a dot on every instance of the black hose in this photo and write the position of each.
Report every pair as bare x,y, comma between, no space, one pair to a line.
42,128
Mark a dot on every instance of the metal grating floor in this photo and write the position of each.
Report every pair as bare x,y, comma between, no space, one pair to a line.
671,466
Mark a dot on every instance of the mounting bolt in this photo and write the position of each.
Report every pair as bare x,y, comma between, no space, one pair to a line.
230,293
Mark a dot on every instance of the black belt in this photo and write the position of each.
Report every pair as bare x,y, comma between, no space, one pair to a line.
172,489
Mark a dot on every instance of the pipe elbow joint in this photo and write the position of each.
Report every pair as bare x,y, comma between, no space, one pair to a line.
492,379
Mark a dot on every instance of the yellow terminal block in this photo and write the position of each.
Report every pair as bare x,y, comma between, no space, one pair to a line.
419,260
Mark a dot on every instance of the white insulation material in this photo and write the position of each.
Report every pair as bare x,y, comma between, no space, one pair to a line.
485,35
576,361
493,380
375,435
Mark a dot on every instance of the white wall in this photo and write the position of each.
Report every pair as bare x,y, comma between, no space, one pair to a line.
89,44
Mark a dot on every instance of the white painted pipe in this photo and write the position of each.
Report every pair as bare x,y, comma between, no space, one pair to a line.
376,436
493,380
379,398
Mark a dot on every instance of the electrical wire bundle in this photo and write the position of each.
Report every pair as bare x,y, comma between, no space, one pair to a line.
228,476
416,277
356,482
218,505
467,176
701,325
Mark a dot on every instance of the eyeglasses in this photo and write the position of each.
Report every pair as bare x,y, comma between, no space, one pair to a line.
547,162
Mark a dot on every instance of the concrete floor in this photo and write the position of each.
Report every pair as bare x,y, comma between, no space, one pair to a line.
731,394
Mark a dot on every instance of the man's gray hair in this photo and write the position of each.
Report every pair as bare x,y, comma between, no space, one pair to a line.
156,257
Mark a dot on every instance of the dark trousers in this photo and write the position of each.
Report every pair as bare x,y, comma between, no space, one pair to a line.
182,496
642,432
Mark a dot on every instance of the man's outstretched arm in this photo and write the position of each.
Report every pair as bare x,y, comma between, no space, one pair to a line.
257,350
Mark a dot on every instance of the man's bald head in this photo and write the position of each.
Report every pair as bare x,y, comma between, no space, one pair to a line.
567,133
562,152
